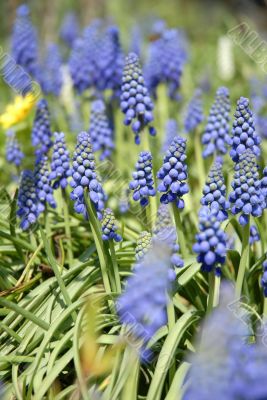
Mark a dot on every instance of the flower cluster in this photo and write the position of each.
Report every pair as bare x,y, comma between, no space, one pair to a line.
247,197
42,180
84,177
135,101
60,164
264,184
109,227
51,80
143,244
244,134
41,131
171,131
142,183
254,234
194,114
214,191
210,243
69,30
143,304
173,174
14,154
264,278
28,204
216,137
100,131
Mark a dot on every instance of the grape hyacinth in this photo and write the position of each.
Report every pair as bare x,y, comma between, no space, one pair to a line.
124,201
214,192
194,114
100,131
254,235
42,180
244,135
216,137
41,131
143,304
69,30
51,80
171,131
143,183
135,101
143,244
28,204
264,278
84,177
247,197
173,174
210,243
109,227
60,164
14,155
264,184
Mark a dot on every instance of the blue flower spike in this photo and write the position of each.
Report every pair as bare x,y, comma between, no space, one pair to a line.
14,155
28,203
60,165
109,227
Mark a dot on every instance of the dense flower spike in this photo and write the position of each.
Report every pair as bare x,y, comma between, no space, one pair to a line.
225,365
69,30
194,114
42,180
14,154
216,137
171,131
173,174
41,131
264,184
24,46
214,192
84,177
109,227
28,204
143,244
60,165
254,234
135,101
143,304
51,78
264,278
142,183
210,241
244,134
247,197
100,131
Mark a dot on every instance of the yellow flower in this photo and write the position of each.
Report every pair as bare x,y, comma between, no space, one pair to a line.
17,111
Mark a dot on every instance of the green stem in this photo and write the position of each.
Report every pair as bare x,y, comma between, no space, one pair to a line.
265,309
67,227
179,229
214,288
244,261
115,266
98,241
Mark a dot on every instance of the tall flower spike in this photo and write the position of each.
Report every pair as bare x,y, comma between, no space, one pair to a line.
214,192
254,235
264,278
109,227
210,243
194,114
142,183
84,177
173,174
216,137
42,180
41,131
14,154
244,134
100,131
143,304
60,165
69,30
143,244
51,78
135,101
247,197
28,204
24,46
171,131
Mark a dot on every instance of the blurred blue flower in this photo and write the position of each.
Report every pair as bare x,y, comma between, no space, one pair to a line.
254,235
171,131
51,78
264,278
14,155
69,30
194,114
41,130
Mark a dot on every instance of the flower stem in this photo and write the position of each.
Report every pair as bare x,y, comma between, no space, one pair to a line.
115,267
214,288
179,230
67,227
244,261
